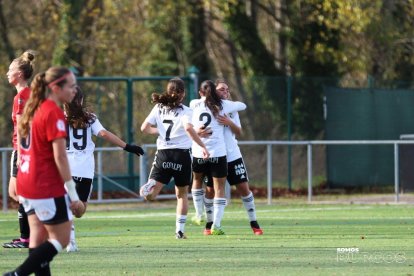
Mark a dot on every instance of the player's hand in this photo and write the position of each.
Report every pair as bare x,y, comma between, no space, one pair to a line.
204,132
78,208
206,154
224,120
134,149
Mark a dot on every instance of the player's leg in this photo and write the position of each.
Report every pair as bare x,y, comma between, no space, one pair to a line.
208,204
84,189
55,226
153,187
248,203
237,175
181,212
219,174
182,178
200,168
197,193
23,241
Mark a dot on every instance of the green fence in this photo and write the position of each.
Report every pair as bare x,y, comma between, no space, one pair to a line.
279,108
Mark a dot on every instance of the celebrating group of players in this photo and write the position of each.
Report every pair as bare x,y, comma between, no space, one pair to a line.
52,164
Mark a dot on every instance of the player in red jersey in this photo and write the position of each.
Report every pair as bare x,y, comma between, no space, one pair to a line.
44,174
20,71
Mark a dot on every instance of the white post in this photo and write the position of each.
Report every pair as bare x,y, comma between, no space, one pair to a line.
309,172
396,174
269,174
100,183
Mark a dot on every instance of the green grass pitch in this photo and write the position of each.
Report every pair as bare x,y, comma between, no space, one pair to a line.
299,239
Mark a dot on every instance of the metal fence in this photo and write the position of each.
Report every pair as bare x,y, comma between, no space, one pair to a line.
269,168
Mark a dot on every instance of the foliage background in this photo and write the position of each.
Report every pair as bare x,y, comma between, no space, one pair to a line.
262,47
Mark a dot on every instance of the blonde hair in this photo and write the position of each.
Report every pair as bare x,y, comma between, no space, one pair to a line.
39,94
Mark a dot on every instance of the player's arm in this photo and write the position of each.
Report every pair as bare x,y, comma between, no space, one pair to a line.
112,138
148,128
62,164
194,136
18,139
224,120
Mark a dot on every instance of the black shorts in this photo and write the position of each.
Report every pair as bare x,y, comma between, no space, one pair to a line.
172,163
215,166
237,173
83,187
48,210
13,164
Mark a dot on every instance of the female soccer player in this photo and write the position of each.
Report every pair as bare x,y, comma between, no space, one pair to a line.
206,113
237,172
20,71
171,121
44,173
80,148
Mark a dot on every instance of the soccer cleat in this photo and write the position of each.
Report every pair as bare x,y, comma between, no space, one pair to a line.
197,220
207,229
257,231
16,243
72,246
217,231
147,189
256,228
180,236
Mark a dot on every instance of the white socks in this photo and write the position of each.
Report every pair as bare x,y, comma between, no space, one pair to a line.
219,204
72,231
180,223
208,204
248,202
198,200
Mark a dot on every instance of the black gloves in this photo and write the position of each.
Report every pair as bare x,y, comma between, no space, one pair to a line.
134,149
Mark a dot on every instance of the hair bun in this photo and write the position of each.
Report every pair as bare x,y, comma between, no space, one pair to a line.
29,55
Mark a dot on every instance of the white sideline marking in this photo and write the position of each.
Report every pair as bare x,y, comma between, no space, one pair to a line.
241,211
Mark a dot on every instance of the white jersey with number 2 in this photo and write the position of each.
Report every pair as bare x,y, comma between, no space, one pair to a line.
170,124
80,148
203,116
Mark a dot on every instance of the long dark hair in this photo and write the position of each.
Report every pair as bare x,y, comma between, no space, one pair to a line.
174,95
213,101
78,115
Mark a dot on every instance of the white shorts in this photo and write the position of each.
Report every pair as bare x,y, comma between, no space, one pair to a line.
48,210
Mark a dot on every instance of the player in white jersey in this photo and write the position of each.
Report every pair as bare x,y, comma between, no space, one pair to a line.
82,125
171,121
205,113
237,172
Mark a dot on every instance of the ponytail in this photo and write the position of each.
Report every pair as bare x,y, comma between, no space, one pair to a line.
174,95
40,92
37,96
213,101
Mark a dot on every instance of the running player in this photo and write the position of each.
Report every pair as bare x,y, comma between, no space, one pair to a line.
20,71
171,121
44,173
237,172
205,113
82,124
